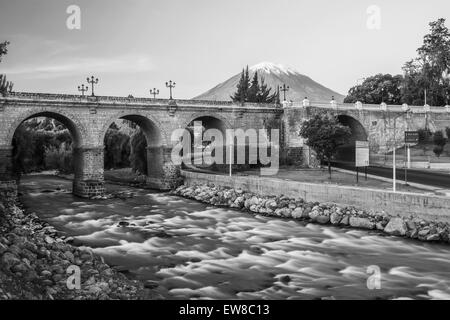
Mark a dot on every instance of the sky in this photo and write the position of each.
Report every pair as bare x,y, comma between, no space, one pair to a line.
135,45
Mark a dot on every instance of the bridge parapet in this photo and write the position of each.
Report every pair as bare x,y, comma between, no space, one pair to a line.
129,101
369,107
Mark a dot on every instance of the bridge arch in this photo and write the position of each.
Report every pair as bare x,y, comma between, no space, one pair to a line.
358,133
153,131
211,120
75,127
358,130
161,173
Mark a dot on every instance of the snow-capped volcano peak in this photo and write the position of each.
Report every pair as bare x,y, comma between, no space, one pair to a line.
274,75
269,67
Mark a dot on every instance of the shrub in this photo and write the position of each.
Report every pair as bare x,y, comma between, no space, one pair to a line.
31,143
438,150
424,135
117,149
138,157
59,158
439,141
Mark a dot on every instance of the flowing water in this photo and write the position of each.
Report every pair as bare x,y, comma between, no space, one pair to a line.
197,251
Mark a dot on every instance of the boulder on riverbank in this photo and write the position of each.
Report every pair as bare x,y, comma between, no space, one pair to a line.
322,213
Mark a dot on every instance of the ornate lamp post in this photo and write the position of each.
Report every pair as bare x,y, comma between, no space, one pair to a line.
284,88
92,81
154,92
170,85
82,89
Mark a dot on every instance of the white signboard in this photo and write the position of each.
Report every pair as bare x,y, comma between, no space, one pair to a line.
361,153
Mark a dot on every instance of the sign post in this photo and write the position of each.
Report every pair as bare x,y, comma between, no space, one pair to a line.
361,157
411,137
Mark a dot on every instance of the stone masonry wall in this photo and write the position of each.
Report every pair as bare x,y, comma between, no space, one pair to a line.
88,119
402,204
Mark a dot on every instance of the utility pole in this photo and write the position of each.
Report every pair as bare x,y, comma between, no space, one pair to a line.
154,92
92,81
284,88
170,85
405,112
394,163
83,89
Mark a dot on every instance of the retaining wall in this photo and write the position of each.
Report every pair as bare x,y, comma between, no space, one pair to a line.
429,207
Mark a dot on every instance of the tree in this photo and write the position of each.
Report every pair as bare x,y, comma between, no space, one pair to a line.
39,146
439,143
138,156
5,85
3,49
254,89
377,89
117,148
426,71
242,88
264,95
325,134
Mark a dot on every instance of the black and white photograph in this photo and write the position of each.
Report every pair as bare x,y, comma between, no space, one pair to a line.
248,152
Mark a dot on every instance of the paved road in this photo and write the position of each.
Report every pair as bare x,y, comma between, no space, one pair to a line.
435,179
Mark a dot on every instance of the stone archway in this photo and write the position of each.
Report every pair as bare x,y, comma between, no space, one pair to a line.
75,128
161,173
154,131
212,120
358,133
200,126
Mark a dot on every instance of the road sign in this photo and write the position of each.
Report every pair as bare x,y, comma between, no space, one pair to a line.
411,137
361,153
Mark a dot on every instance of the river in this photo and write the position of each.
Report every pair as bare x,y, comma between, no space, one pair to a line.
195,251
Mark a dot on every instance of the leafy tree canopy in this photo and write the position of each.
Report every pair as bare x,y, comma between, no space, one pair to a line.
5,86
3,49
377,89
325,134
429,72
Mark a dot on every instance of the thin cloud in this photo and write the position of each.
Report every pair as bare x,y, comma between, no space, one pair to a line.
77,66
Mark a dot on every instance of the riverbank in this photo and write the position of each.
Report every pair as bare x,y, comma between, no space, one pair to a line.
38,262
321,213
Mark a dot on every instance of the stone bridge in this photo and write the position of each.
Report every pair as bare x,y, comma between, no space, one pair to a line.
367,122
88,118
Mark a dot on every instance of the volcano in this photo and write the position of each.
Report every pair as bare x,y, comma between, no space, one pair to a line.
300,86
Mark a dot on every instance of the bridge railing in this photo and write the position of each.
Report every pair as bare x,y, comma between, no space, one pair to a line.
131,100
150,101
368,107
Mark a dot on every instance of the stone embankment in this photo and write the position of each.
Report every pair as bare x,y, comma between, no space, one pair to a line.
322,213
36,262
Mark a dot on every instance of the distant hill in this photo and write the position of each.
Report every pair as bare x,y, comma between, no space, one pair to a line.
301,86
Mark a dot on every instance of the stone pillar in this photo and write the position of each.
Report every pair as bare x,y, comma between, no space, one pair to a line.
89,180
161,172
8,186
